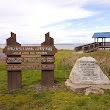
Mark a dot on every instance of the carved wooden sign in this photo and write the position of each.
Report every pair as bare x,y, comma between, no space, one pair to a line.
30,50
24,57
14,67
29,59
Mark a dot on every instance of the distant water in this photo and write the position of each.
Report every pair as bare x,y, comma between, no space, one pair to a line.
58,46
67,46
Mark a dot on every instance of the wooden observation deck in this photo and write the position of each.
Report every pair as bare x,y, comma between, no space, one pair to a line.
96,45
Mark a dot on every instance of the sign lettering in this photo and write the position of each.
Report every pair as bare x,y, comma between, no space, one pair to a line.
13,67
29,59
87,68
30,50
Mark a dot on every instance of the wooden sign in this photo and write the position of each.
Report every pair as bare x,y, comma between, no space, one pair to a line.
29,59
13,67
16,63
29,50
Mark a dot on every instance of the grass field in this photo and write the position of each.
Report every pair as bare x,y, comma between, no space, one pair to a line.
34,97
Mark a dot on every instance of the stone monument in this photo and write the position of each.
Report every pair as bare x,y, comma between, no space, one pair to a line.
86,73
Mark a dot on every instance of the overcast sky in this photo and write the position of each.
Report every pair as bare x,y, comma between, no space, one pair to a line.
68,21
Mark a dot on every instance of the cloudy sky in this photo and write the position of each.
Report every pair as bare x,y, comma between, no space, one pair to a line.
68,21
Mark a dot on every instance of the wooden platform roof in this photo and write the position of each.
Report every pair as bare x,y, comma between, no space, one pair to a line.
101,35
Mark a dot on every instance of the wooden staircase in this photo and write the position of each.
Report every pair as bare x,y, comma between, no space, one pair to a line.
89,47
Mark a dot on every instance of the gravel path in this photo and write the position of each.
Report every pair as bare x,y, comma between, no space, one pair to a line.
2,55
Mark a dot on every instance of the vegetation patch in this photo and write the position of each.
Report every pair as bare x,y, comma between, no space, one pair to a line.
33,96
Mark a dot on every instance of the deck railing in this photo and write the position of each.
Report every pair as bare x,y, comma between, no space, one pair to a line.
93,46
105,45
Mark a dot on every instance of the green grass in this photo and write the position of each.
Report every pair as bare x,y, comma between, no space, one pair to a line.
59,98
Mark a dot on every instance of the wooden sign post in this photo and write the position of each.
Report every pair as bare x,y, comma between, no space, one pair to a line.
48,75
14,50
14,77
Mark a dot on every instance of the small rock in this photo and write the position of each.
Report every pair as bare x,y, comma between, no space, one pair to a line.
94,90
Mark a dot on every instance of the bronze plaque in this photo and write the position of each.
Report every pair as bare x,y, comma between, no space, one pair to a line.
30,50
13,67
29,59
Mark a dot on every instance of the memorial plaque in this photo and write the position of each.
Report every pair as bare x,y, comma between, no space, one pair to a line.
13,67
87,69
29,50
29,59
